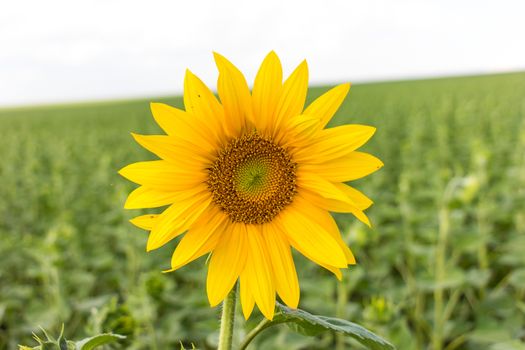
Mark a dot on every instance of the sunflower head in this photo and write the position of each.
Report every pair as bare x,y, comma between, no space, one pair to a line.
249,177
252,179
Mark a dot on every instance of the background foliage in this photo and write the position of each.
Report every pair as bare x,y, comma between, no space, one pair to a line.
443,267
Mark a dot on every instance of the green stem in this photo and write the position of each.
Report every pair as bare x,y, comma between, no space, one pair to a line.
342,297
265,323
227,320
440,275
483,230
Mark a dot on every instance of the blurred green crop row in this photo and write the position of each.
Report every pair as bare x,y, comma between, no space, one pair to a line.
442,268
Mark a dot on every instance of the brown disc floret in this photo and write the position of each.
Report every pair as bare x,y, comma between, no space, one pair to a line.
252,179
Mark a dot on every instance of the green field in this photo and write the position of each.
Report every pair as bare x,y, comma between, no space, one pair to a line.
442,268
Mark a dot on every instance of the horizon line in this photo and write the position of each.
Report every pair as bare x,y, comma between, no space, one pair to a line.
163,96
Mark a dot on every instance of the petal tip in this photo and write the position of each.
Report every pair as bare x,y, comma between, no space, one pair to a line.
188,74
122,171
213,302
151,245
273,55
303,67
345,87
217,56
293,305
155,107
222,63
127,205
268,313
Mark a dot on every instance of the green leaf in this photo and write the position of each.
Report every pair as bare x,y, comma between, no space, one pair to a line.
517,278
97,340
49,345
183,348
477,277
62,343
454,279
308,324
48,337
510,345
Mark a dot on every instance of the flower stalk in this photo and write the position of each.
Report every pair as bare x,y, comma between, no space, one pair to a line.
265,323
227,320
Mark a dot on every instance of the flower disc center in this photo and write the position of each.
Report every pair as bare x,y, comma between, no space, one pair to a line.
252,179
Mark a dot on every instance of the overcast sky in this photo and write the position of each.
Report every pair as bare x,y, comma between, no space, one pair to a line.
67,50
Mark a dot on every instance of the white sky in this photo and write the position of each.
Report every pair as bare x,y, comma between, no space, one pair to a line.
68,50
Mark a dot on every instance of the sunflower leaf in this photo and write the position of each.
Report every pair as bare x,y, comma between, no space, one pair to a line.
308,324
97,340
62,342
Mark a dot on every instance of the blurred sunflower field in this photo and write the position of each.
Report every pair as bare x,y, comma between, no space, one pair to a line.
443,266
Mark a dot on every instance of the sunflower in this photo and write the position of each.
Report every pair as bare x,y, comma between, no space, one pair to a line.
249,177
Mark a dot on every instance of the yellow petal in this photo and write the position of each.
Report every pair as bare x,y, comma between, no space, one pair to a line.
324,219
259,272
336,206
200,239
247,300
286,282
234,94
309,238
336,271
362,217
145,197
350,258
170,119
163,175
203,105
309,180
179,217
180,124
175,150
291,102
327,104
353,166
267,91
226,263
334,143
296,133
361,201
144,222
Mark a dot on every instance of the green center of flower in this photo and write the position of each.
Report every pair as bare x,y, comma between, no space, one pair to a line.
252,179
